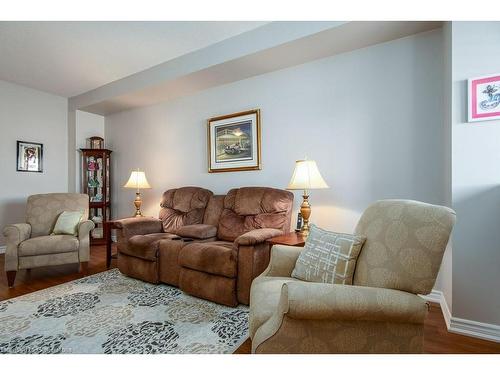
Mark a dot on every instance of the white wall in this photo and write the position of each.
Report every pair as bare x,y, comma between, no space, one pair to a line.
444,282
476,179
87,125
30,115
371,119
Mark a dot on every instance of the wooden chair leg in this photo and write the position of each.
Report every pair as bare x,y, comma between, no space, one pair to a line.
84,267
11,276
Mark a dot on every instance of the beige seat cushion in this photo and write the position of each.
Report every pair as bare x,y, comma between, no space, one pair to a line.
264,298
54,244
217,258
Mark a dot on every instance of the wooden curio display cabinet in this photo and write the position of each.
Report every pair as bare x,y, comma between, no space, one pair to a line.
96,183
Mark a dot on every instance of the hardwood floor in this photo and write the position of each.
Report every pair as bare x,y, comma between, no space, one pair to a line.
437,338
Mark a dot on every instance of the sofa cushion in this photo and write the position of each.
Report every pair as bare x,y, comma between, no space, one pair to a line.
251,208
145,246
183,206
54,244
214,209
217,257
261,200
328,257
198,231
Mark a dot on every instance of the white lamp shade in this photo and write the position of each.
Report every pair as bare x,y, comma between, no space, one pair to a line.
137,180
306,176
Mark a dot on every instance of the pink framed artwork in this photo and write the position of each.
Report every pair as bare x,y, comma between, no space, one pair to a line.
484,98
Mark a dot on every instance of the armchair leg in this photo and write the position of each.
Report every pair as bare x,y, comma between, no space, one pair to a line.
84,267
11,276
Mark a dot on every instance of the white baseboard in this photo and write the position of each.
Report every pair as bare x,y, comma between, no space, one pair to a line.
434,296
472,328
2,249
485,331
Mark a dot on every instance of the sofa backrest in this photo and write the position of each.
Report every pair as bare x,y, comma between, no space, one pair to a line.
249,208
214,210
42,210
183,206
405,243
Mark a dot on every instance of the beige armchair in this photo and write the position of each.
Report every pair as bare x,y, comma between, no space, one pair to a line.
30,245
380,313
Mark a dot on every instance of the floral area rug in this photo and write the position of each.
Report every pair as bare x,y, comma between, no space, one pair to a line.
111,313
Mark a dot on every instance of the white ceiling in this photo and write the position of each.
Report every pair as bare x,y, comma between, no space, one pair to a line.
69,58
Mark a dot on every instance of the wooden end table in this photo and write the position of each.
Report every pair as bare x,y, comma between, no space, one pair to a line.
108,226
290,239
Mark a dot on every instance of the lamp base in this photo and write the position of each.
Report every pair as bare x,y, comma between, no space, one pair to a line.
137,204
305,211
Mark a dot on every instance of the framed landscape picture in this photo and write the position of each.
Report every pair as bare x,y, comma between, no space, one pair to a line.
29,157
234,142
484,98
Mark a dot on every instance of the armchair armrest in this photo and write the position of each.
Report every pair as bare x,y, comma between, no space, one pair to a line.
322,308
17,233
282,262
84,228
257,236
141,225
304,300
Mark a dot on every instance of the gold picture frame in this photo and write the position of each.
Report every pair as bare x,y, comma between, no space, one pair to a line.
234,142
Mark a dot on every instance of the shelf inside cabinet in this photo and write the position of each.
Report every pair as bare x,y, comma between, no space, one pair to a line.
97,185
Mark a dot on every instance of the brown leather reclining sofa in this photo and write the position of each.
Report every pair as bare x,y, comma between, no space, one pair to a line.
210,246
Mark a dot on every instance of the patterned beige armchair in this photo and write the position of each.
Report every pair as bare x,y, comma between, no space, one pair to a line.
30,245
381,312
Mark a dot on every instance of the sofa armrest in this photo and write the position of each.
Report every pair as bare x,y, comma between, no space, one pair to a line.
84,228
257,236
141,225
304,300
198,231
17,233
282,262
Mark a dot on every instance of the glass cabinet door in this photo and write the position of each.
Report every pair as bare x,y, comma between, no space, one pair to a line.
96,184
95,177
99,215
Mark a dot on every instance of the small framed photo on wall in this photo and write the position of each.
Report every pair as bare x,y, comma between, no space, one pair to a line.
484,98
234,142
29,157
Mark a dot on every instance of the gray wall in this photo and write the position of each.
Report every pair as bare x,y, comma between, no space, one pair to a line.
30,115
476,179
371,119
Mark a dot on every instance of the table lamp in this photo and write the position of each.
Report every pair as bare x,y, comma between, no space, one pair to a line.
305,177
137,181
